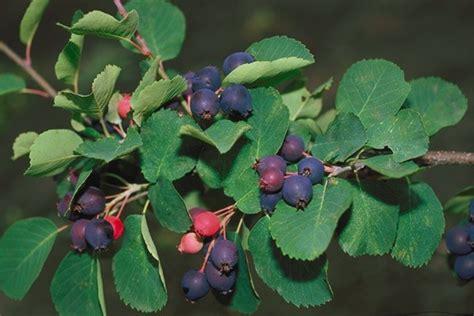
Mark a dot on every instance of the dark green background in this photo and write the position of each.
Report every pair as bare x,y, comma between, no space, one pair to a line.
424,37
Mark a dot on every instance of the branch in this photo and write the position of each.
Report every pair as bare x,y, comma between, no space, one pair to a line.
440,158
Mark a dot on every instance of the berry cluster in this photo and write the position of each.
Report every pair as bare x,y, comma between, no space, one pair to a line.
219,269
460,242
294,187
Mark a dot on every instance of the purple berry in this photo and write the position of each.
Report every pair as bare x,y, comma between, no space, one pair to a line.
78,237
268,201
235,60
221,282
457,240
224,255
312,168
297,191
195,285
172,105
204,104
464,266
90,202
99,234
271,180
236,100
273,161
471,210
189,77
292,149
207,78
63,208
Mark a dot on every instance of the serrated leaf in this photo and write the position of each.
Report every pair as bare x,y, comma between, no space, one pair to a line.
150,245
344,137
222,134
302,104
10,83
301,283
25,246
75,289
31,20
52,152
162,26
440,103
112,115
324,120
136,273
386,165
85,173
23,143
459,204
404,134
305,128
149,77
420,226
169,206
212,167
373,90
104,85
305,235
273,56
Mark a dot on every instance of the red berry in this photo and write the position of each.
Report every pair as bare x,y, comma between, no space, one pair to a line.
195,211
190,243
117,225
124,106
206,224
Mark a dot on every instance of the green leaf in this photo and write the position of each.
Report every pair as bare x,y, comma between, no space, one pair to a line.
161,151
104,85
136,273
404,134
148,78
25,246
150,245
305,128
440,103
305,235
273,56
212,167
31,20
420,226
10,83
386,165
459,204
112,115
22,144
344,137
52,152
301,283
100,288
169,206
222,134
324,120
373,90
162,26
302,104
75,288
111,148
85,173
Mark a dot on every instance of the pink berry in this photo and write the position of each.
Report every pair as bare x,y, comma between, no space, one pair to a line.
124,106
195,211
117,225
190,243
206,224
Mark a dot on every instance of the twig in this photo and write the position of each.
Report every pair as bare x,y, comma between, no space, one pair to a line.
440,158
41,93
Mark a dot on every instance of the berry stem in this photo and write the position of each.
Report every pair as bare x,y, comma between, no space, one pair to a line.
225,210
240,224
120,131
60,229
28,54
206,257
145,208
226,221
124,202
104,128
38,92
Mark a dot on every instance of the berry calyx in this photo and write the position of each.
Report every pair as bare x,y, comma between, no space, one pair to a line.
273,161
207,78
224,255
190,243
268,201
221,282
99,234
464,266
235,60
206,224
236,100
271,180
292,149
90,202
117,225
124,106
78,235
457,240
312,168
297,191
204,104
194,285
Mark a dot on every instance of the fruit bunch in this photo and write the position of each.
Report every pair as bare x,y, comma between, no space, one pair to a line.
460,243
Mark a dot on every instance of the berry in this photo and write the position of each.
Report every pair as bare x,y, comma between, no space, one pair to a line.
207,78
124,106
297,191
312,168
273,161
457,240
195,285
73,177
189,76
90,202
292,148
173,105
471,210
268,201
195,211
224,255
464,266
204,104
222,282
63,208
236,100
206,224
99,234
470,230
190,243
117,225
271,180
78,238
235,60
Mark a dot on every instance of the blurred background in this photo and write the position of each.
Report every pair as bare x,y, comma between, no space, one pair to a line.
424,37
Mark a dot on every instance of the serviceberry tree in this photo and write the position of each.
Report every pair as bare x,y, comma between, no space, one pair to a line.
255,133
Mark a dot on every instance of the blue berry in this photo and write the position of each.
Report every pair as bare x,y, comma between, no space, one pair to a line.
268,201
457,240
204,104
99,234
236,100
271,180
464,266
224,255
292,149
235,60
471,210
189,77
273,161
195,285
207,78
90,202
221,282
297,191
63,208
312,168
78,234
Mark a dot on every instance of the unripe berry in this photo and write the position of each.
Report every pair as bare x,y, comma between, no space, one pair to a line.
236,100
190,243
292,149
271,180
207,78
78,235
312,168
90,202
206,224
117,225
297,191
204,104
464,266
124,105
235,60
268,201
273,161
457,240
99,234
221,282
224,255
195,211
195,285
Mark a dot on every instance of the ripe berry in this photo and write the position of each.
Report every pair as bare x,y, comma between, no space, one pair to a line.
297,191
235,60
268,201
78,238
195,285
292,148
124,106
207,78
271,180
222,282
224,255
273,161
471,210
63,208
206,224
204,104
173,105
464,266
457,240
99,234
90,202
117,225
312,168
236,100
189,76
190,243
